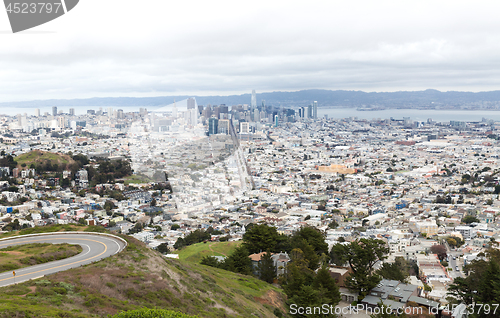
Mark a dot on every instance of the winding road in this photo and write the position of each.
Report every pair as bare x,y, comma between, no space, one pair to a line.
95,246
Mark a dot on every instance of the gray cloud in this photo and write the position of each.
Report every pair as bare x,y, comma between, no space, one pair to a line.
150,48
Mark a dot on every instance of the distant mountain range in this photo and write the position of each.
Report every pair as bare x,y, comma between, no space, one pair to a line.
405,99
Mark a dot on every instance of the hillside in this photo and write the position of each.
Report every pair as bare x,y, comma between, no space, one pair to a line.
140,277
195,252
20,256
43,158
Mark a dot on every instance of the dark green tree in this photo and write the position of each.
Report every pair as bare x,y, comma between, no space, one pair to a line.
361,255
298,274
109,205
309,253
175,226
179,243
210,261
488,292
238,261
260,238
163,248
267,271
307,297
399,270
312,243
461,290
481,286
325,283
470,219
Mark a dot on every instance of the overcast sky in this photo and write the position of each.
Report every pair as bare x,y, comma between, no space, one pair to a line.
159,47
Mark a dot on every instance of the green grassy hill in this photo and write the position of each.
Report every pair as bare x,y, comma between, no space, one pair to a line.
38,157
139,277
195,252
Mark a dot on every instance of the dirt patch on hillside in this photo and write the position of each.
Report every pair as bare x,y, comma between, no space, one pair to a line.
32,288
272,298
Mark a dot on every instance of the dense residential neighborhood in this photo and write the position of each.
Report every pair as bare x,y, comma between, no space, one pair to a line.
427,190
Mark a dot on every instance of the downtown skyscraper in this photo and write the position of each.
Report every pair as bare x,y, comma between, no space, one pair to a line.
253,103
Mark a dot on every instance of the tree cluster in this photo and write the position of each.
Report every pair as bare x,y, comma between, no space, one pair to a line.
14,226
108,171
8,161
194,237
399,270
237,262
360,255
311,241
307,288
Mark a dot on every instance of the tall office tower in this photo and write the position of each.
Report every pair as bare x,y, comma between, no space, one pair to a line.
191,103
120,114
224,109
37,112
110,112
216,112
253,103
54,111
207,112
193,116
61,123
315,110
276,120
256,115
200,109
244,128
310,111
213,124
263,104
223,126
174,110
72,112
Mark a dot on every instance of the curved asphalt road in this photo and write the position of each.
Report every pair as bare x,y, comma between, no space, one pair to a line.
95,247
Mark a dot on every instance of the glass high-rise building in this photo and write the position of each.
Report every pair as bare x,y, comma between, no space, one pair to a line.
253,103
213,124
315,110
